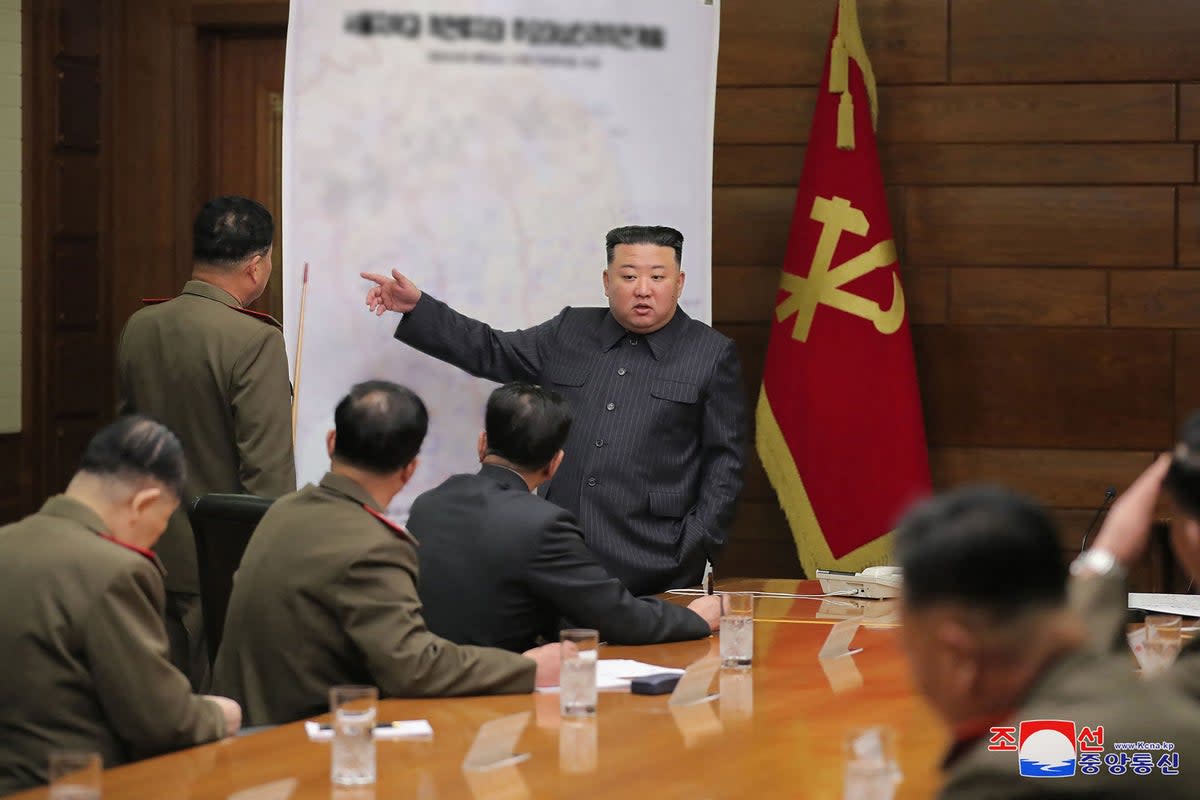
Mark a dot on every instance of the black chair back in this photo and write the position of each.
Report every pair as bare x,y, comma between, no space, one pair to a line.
222,524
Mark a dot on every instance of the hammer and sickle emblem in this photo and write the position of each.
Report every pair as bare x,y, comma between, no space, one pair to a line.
824,285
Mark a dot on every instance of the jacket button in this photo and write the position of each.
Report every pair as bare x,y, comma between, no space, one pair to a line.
599,443
611,406
591,481
621,371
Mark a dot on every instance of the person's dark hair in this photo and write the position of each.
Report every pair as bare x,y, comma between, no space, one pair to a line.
645,234
379,427
526,424
983,547
135,448
1182,481
228,230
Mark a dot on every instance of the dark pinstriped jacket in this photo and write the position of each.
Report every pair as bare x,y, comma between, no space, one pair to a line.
653,463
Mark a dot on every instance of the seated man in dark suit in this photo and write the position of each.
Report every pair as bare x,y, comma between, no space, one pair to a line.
326,593
501,566
85,662
995,647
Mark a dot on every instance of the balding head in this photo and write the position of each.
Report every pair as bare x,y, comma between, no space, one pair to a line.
379,427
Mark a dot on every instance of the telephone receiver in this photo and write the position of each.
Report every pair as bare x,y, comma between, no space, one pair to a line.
878,583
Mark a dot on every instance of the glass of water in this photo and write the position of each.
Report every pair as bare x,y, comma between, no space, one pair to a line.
75,775
1163,641
577,675
737,629
352,759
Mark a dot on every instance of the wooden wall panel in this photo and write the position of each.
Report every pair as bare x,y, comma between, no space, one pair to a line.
1155,298
1045,387
1059,478
1001,114
763,115
67,359
11,484
750,225
1187,376
1029,296
1039,225
1040,164
781,42
918,163
1189,226
1027,113
1073,40
1189,111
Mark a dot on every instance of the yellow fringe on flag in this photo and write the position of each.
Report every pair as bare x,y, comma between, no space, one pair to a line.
811,546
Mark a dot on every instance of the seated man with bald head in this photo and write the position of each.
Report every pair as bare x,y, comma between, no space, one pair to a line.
326,593
85,663
993,645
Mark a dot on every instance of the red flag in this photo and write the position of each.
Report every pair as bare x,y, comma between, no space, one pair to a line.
839,422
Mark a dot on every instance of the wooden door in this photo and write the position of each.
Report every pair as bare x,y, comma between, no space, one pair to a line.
241,130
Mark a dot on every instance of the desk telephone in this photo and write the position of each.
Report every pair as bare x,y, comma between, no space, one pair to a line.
873,582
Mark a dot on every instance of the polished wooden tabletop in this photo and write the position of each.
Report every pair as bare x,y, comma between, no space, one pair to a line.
776,730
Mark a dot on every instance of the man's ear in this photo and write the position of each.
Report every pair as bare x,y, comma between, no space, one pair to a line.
143,499
958,654
604,276
254,268
331,442
554,464
679,287
408,471
482,445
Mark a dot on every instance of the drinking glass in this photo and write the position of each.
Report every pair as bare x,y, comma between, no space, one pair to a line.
577,676
75,775
352,759
737,629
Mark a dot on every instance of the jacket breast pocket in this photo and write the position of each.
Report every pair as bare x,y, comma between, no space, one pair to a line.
675,391
671,505
566,376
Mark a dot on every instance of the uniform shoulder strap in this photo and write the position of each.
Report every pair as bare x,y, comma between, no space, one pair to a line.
400,531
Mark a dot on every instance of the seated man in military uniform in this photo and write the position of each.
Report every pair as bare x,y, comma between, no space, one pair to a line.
326,593
85,662
1000,655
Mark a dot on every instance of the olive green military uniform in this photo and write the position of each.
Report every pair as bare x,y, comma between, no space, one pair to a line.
1103,601
326,594
216,374
1090,689
84,662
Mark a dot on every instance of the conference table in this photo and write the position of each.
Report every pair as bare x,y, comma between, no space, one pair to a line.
778,729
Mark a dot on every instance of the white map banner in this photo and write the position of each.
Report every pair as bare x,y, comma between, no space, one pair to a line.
483,148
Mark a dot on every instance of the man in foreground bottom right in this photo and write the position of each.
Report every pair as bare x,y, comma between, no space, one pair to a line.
1037,707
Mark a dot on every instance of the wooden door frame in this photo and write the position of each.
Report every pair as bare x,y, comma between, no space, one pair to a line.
203,20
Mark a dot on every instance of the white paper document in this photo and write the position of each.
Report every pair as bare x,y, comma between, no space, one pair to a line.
617,673
1186,605
384,731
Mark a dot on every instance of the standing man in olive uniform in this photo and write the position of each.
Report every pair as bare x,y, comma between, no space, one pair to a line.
216,373
85,652
326,593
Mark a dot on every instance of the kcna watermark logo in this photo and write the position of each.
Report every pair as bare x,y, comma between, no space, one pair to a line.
1055,748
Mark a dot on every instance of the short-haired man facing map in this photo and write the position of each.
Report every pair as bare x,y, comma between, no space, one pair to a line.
653,463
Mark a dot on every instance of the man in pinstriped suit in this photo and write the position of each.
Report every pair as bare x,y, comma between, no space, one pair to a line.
653,462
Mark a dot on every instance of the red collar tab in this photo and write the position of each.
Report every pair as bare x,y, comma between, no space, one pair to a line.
399,530
258,315
153,301
139,550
